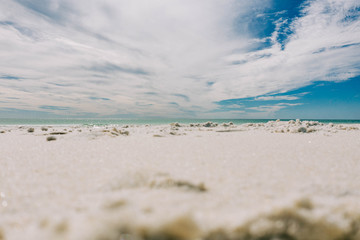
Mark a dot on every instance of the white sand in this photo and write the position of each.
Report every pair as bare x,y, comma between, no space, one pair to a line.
179,182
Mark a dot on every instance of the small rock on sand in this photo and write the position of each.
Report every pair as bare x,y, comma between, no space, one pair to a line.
115,204
175,124
157,135
210,124
302,129
30,130
58,133
51,138
227,124
126,133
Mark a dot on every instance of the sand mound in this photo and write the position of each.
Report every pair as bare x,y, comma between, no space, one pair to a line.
158,180
299,221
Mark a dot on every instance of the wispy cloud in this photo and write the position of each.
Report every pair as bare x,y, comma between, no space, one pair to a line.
276,98
9,77
111,68
54,108
272,108
138,55
321,26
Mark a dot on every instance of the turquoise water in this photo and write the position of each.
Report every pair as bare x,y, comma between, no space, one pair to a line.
76,121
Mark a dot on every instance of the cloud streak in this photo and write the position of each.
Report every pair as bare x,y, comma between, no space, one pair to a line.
277,98
166,58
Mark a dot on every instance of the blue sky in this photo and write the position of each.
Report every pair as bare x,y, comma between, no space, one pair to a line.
180,58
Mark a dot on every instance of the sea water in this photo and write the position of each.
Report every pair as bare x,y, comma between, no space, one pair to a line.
106,121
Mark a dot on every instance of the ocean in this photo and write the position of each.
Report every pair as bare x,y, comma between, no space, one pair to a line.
105,121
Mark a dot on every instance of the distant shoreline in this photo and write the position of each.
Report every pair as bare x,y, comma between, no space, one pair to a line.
159,121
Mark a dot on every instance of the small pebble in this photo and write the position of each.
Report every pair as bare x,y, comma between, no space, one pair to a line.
302,129
51,138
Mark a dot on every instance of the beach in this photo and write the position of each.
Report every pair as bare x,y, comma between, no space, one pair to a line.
280,180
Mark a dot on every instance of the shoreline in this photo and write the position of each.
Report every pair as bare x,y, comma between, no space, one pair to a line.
153,122
176,128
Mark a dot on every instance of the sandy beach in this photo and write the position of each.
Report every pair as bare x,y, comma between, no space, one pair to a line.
277,180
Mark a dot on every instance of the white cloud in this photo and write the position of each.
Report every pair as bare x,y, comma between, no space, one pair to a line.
268,110
162,54
276,98
281,97
277,70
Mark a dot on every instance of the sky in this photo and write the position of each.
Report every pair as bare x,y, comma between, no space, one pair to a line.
180,59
